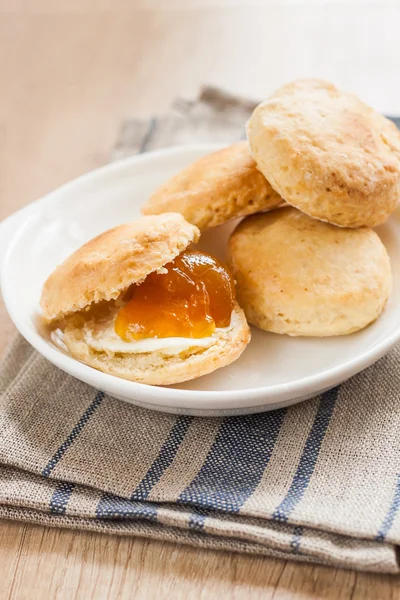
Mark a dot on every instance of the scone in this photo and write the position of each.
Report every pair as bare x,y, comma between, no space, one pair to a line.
135,302
302,277
216,188
327,153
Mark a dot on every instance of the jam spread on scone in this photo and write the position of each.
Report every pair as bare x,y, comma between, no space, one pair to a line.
190,297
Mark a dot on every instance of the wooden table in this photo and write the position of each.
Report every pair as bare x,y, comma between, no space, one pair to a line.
70,72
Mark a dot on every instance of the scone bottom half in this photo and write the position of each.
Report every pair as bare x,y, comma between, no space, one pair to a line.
301,277
136,302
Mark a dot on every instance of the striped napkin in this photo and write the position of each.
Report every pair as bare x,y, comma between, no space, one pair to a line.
317,482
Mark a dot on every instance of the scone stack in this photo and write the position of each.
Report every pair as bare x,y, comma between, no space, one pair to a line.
320,168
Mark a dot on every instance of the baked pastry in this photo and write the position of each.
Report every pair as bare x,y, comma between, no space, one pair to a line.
135,303
327,153
216,188
300,276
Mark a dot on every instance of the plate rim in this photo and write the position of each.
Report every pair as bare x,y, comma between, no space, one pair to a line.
154,396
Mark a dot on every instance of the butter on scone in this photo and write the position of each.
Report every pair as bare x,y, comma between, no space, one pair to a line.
302,277
327,153
136,303
216,188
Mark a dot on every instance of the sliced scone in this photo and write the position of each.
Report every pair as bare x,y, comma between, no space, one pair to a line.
134,302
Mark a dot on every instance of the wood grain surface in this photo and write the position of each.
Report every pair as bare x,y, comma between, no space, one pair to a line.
70,73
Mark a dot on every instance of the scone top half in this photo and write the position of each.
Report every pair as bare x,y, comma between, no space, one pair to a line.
327,153
108,264
84,294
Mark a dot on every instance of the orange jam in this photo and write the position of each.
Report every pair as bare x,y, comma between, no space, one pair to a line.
190,299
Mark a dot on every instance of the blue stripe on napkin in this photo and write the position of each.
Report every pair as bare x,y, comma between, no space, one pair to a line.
164,459
74,434
391,514
115,506
61,496
236,461
309,457
296,539
198,518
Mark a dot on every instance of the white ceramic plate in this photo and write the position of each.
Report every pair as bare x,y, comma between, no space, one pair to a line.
273,371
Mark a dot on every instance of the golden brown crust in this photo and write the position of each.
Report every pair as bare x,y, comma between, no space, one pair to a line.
218,187
327,153
154,368
299,276
108,264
